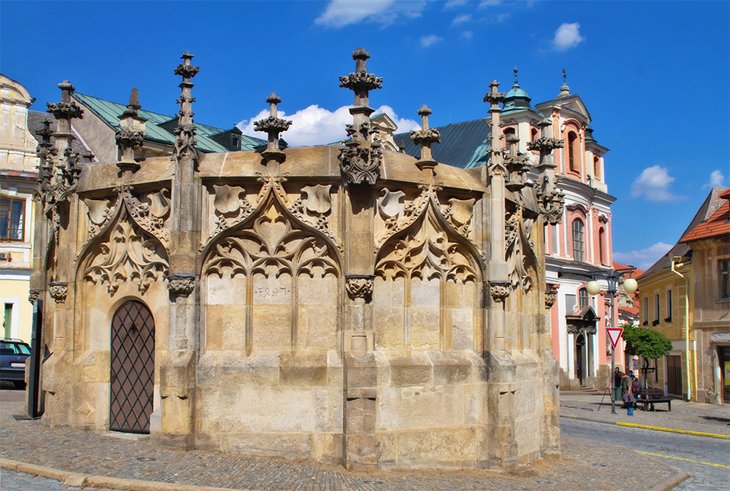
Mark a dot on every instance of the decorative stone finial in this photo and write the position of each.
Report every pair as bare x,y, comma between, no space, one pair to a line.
516,163
185,130
564,89
360,156
66,109
361,83
425,137
514,71
550,198
494,97
273,125
130,134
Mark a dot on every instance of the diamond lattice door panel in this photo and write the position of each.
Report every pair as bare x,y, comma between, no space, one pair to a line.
132,368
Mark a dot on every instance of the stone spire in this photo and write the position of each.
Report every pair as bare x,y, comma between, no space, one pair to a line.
564,89
273,125
425,137
516,163
361,83
550,198
360,156
64,170
499,285
185,131
130,134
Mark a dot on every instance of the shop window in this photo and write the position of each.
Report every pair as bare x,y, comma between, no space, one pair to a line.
12,218
578,240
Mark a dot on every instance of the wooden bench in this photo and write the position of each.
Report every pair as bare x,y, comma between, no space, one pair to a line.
648,397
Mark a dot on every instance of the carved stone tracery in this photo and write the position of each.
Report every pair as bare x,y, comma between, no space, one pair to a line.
519,249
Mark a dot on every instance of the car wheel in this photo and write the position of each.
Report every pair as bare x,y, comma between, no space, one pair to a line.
19,385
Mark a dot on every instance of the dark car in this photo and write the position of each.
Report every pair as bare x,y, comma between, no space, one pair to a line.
13,353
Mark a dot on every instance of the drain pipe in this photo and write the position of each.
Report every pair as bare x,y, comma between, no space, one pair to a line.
676,262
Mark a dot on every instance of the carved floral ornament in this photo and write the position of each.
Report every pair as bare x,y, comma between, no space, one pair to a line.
58,291
137,234
277,241
519,249
551,294
398,214
231,207
360,286
181,285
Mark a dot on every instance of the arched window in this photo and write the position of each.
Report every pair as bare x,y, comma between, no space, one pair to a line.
601,240
573,161
509,136
577,240
534,135
583,298
597,168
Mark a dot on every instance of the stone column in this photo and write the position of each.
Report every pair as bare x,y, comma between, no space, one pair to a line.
360,159
177,367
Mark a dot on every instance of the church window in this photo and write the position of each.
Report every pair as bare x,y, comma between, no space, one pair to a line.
573,160
583,298
601,239
597,168
578,240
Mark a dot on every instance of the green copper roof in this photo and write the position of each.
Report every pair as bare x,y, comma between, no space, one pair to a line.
109,112
516,98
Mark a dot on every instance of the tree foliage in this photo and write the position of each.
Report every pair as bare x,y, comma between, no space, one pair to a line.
646,342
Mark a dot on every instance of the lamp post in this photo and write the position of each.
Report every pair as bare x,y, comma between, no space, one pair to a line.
613,278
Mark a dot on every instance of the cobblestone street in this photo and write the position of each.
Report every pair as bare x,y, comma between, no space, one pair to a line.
584,465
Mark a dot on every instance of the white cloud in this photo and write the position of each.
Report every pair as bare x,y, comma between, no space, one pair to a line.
340,13
314,125
430,40
461,19
567,36
467,35
450,4
489,3
643,258
717,180
653,184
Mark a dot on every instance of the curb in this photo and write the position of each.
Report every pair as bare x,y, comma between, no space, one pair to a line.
672,482
79,480
672,430
649,427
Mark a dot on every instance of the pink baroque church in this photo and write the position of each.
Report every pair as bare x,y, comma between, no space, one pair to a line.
578,243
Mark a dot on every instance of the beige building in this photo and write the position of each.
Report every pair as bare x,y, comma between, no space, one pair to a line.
348,304
709,284
18,174
685,296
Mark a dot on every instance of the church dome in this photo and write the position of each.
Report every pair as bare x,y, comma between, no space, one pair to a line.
516,98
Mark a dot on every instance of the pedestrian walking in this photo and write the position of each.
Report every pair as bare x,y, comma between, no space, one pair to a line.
626,394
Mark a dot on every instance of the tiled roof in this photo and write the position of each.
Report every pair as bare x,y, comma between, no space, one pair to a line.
716,225
109,112
464,144
711,204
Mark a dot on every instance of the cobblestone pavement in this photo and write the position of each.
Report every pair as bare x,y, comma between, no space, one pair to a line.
689,416
584,465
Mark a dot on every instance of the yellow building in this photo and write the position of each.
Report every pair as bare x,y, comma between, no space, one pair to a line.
18,175
664,306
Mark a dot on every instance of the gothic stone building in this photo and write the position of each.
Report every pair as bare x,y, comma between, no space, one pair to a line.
348,303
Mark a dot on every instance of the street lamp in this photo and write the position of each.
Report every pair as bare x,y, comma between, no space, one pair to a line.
613,277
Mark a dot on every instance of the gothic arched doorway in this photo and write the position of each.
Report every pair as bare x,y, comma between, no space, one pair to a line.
132,368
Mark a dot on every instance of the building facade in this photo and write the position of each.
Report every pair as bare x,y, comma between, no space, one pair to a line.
347,304
684,297
579,242
18,174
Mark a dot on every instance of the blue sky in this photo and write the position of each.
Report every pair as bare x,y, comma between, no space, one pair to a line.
654,75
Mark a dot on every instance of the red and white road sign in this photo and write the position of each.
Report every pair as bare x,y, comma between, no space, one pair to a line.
614,333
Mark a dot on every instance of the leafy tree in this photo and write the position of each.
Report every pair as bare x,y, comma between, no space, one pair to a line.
646,343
